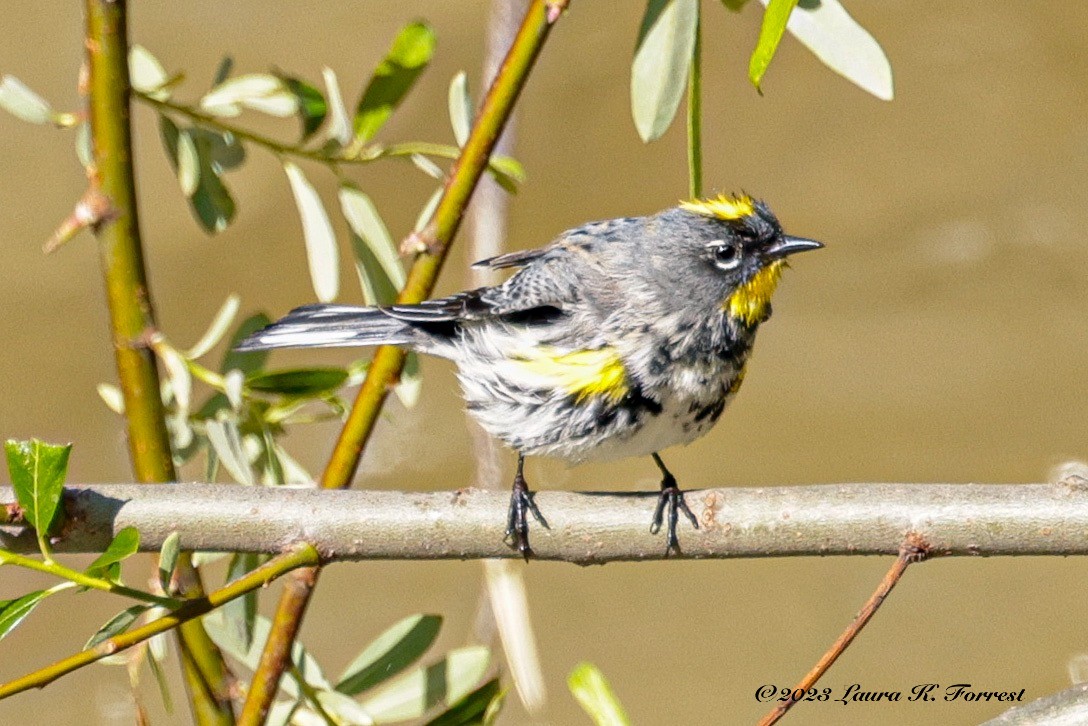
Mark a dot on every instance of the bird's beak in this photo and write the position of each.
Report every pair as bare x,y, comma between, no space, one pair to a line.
785,246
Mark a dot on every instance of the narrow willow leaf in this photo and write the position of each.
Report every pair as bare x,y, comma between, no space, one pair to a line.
168,559
339,127
155,664
219,326
507,172
119,623
427,213
479,707
407,58
293,472
222,71
770,34
298,381
12,612
411,382
659,72
735,5
112,397
363,219
233,385
227,442
460,108
390,653
240,614
211,202
224,149
845,47
146,73
124,544
18,100
445,682
177,372
344,708
282,713
84,146
312,107
592,691
427,166
258,91
321,251
200,559
37,473
246,362
188,164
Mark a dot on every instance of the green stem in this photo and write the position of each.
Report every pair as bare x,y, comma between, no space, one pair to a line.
299,556
84,580
388,361
131,314
695,115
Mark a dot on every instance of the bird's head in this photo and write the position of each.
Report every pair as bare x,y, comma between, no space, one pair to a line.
740,252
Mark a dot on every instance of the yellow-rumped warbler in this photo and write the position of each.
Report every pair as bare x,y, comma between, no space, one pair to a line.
620,338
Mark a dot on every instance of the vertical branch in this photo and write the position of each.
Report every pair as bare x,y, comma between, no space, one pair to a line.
131,315
695,113
385,367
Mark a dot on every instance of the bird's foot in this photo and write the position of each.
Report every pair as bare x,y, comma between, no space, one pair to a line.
673,499
517,523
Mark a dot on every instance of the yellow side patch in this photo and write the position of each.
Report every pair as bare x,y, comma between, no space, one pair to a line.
721,207
581,373
738,379
749,301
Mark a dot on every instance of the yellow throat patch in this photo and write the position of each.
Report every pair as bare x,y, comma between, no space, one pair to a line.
581,373
749,301
722,207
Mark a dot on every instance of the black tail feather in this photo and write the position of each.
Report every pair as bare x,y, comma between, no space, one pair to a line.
332,326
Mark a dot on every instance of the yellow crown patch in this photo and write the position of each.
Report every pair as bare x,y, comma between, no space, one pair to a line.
721,207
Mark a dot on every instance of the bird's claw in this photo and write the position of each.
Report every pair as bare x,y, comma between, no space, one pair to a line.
517,523
673,498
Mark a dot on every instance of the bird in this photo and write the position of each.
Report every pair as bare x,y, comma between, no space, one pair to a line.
619,338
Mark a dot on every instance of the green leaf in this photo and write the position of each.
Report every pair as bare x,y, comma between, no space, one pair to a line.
460,108
12,612
376,262
339,128
125,544
119,623
222,71
18,100
187,164
211,202
735,5
321,250
390,653
507,172
479,707
224,148
770,34
226,440
246,362
298,381
312,107
421,689
146,73
845,47
218,328
407,58
37,473
257,91
591,690
168,559
344,708
240,614
659,72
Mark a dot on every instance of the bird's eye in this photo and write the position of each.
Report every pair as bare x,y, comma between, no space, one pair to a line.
726,255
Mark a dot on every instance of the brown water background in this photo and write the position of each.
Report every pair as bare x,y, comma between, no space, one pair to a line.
939,337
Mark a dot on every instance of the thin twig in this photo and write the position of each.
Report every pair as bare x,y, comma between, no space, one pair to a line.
298,556
695,113
84,580
914,549
131,314
388,361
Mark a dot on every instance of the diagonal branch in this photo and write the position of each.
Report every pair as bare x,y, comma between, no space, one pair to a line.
432,244
298,556
131,314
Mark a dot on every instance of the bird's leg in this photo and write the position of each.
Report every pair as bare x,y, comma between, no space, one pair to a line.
521,501
674,499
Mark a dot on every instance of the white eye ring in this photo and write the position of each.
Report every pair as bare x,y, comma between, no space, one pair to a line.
726,254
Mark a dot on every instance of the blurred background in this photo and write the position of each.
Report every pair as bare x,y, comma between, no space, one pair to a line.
939,337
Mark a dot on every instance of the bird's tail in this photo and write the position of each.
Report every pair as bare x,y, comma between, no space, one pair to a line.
332,326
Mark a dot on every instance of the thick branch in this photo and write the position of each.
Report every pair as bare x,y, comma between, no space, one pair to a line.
854,519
